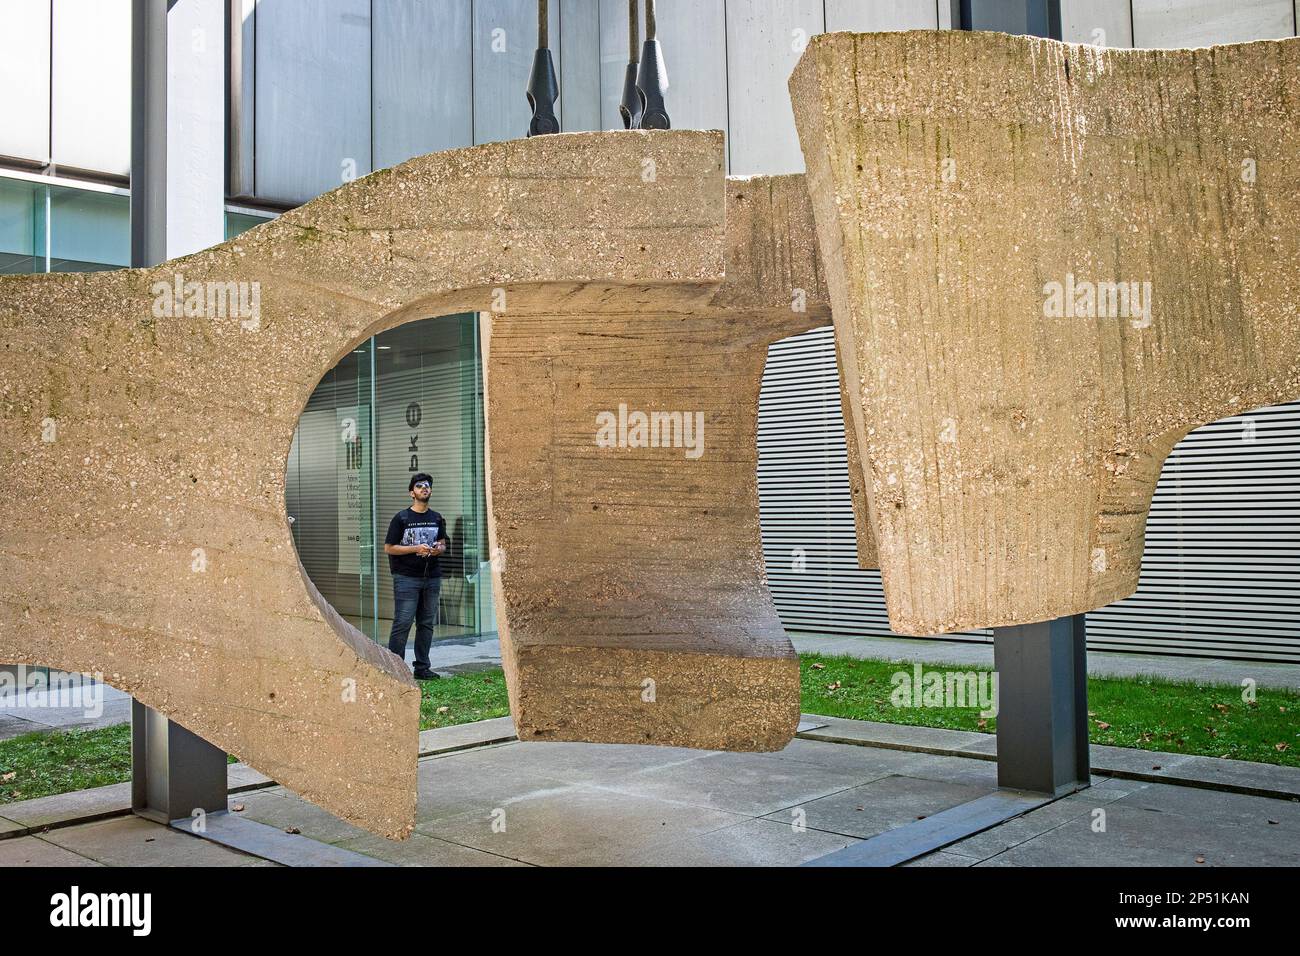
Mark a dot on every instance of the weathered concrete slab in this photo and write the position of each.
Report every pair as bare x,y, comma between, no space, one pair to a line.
749,784
33,851
579,826
134,841
608,276
1162,825
460,736
982,201
878,806
97,803
752,843
422,850
633,603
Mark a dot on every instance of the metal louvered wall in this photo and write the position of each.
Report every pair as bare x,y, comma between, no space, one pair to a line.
1221,571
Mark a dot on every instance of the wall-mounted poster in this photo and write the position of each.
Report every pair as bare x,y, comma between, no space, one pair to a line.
349,460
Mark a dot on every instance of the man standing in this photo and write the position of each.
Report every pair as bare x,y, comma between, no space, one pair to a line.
416,537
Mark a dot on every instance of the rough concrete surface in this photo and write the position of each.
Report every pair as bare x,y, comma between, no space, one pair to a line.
143,532
978,197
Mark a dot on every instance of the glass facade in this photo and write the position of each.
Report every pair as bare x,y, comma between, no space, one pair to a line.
54,228
408,400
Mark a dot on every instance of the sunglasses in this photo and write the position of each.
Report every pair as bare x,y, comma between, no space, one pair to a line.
423,484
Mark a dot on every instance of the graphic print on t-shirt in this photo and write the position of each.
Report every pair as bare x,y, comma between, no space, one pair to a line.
424,534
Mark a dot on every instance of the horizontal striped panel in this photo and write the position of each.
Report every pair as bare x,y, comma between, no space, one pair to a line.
1220,573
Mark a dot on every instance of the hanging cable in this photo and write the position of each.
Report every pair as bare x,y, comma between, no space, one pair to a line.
543,88
632,105
652,77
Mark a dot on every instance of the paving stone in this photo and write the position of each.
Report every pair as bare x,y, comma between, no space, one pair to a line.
115,711
1156,834
751,843
870,762
133,841
752,784
283,810
976,773
941,858
453,785
33,851
241,775
423,850
581,826
1018,830
1217,771
458,736
1215,808
898,736
44,811
576,762
881,805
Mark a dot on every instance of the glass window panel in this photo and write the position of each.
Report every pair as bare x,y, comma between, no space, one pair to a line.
89,231
238,222
22,226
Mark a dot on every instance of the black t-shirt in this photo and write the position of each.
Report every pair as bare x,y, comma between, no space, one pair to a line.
414,527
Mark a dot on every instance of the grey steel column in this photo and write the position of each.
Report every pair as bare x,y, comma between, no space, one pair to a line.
1042,706
173,772
148,132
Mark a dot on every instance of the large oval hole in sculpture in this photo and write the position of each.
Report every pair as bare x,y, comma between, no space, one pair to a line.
406,401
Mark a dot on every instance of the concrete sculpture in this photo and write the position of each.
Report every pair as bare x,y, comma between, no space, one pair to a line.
147,416
965,188
1047,263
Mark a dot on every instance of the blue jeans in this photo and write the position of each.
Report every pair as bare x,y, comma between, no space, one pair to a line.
414,599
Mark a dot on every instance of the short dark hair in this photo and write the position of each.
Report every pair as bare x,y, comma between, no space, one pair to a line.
419,476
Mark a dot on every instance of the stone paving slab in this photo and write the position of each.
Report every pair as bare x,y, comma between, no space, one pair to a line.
576,762
893,736
871,809
587,804
132,841
941,858
751,843
1154,836
1240,776
580,825
240,777
868,762
84,805
981,846
279,808
1160,825
460,736
749,784
454,785
423,850
33,851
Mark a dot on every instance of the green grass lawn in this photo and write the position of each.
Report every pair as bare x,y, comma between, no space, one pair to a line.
1144,713
39,764
463,698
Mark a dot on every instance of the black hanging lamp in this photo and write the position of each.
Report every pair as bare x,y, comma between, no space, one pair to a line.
652,77
543,89
632,105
